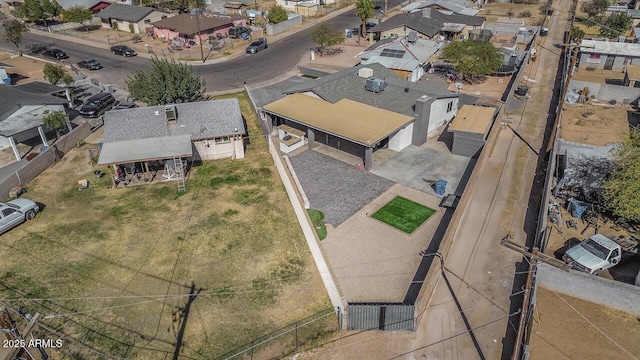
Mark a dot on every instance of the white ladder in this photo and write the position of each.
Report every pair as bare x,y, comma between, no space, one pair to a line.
179,170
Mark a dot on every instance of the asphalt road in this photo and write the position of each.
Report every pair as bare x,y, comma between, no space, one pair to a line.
280,57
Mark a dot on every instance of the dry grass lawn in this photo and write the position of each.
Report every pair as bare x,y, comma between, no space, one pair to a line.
114,267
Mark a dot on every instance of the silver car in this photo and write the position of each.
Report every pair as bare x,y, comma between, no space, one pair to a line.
15,212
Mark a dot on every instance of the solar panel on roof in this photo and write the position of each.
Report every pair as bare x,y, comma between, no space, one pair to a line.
393,53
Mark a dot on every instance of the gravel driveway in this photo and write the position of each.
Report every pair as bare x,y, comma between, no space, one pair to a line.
337,189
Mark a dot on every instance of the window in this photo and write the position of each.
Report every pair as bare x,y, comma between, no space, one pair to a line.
147,21
7,212
222,140
593,58
450,106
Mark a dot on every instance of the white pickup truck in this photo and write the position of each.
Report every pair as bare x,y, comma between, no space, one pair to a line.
599,252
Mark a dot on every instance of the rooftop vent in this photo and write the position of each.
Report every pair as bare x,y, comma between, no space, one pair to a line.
375,85
171,114
365,72
412,36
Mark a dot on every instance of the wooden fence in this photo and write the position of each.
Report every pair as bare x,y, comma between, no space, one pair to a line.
45,159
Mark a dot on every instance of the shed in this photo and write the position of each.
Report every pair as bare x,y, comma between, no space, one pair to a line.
470,129
632,76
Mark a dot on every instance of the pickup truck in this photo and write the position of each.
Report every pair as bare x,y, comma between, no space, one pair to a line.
599,252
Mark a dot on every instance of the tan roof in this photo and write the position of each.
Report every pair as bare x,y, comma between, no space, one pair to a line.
633,71
474,119
596,125
348,119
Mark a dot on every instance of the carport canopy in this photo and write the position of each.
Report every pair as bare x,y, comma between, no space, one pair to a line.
348,119
147,149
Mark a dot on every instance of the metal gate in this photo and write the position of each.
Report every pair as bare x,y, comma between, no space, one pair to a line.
390,317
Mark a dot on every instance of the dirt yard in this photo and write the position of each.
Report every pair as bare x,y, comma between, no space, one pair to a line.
594,124
509,12
562,323
146,272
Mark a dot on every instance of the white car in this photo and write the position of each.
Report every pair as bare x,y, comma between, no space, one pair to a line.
15,212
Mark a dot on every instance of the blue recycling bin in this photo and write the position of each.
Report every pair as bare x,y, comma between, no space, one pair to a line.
349,34
441,186
245,36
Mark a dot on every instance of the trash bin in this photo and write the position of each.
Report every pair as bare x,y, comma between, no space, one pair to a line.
349,34
440,186
245,36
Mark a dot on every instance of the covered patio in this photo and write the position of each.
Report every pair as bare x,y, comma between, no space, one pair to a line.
149,160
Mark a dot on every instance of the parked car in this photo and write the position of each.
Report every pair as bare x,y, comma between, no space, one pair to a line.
55,54
123,50
257,45
98,104
125,105
237,31
89,64
15,212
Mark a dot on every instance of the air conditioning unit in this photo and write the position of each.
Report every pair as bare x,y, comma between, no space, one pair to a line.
375,85
365,72
171,113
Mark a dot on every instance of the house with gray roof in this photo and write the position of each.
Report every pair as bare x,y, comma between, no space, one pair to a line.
406,56
429,24
133,19
456,6
362,109
204,130
21,114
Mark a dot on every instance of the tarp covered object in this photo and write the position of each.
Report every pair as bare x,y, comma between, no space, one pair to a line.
576,208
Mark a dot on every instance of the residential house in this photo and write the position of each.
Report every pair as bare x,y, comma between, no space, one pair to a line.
297,5
607,55
460,7
362,109
134,19
186,27
94,5
406,56
21,114
428,24
215,129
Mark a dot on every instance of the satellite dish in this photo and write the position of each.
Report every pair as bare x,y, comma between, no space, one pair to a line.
459,85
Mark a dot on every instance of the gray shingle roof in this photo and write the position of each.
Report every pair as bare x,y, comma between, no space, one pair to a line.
346,84
125,12
427,22
11,97
201,120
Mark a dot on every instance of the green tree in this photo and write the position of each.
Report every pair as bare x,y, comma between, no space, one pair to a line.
51,9
364,10
77,14
31,10
615,25
277,14
54,73
621,191
12,31
594,8
56,120
323,36
166,82
576,34
473,59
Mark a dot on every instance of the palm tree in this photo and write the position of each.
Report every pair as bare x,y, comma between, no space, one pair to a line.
364,9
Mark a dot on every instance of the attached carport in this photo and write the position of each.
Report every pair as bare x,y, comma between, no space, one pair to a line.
140,152
347,125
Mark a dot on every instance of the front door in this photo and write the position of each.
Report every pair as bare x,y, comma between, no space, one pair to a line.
608,65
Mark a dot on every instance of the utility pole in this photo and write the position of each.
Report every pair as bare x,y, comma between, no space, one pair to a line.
199,35
20,339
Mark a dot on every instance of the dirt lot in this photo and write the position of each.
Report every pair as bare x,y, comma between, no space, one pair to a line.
115,267
508,12
562,324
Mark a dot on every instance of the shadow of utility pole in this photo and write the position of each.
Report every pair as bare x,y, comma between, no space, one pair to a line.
182,316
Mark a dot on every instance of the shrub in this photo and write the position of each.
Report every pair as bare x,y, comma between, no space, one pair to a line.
525,14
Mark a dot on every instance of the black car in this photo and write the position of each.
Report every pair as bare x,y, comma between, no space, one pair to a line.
237,31
89,64
55,54
98,104
257,45
123,50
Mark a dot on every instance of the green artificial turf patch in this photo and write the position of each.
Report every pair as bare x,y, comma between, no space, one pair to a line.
403,214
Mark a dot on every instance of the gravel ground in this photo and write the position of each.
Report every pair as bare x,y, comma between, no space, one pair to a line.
337,189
